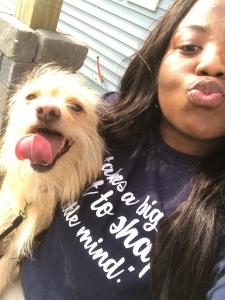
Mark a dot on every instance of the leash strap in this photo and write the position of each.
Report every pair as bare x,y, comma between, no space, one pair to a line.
16,223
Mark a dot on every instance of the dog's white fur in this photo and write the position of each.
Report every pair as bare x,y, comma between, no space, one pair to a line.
70,174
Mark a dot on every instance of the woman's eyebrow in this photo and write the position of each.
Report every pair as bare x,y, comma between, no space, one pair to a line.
199,28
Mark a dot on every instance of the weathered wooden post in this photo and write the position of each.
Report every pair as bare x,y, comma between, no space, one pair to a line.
39,14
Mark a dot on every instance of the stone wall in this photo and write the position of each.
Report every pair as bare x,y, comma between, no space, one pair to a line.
22,48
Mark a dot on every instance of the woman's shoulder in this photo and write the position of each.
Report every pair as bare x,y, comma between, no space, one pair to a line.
110,97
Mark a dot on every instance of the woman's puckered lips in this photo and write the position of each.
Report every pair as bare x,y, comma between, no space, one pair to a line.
208,86
207,93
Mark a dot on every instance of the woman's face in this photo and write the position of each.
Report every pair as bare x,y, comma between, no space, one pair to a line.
191,85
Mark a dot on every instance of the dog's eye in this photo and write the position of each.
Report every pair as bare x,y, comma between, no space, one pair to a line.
31,97
76,107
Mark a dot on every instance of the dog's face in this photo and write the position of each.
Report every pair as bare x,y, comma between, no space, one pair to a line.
52,113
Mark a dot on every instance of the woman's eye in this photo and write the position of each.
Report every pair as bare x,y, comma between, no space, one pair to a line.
31,97
76,107
189,48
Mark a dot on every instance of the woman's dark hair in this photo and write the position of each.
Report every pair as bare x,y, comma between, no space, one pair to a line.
188,242
135,114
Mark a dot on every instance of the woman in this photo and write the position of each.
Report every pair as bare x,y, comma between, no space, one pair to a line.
163,182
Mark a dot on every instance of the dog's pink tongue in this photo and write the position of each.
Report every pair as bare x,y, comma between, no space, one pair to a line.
39,148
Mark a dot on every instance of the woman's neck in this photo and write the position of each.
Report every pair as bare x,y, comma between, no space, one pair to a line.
189,145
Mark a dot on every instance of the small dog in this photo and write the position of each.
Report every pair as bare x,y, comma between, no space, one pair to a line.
51,151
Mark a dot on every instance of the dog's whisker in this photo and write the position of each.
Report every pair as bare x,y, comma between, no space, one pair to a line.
19,172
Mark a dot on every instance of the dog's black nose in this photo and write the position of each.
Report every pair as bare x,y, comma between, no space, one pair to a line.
47,113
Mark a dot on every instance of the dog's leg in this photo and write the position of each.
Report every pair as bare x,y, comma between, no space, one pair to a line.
8,269
22,243
13,292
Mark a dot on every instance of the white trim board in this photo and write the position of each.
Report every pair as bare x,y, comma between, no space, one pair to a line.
150,4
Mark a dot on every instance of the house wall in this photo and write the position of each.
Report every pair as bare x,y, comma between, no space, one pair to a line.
112,30
7,6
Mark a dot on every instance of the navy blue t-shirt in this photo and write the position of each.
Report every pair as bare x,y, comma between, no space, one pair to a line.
100,249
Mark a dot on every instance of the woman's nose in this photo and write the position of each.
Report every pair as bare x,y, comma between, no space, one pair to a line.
211,63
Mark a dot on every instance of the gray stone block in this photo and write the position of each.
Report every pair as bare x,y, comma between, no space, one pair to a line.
1,56
1,121
17,41
5,94
12,71
64,50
